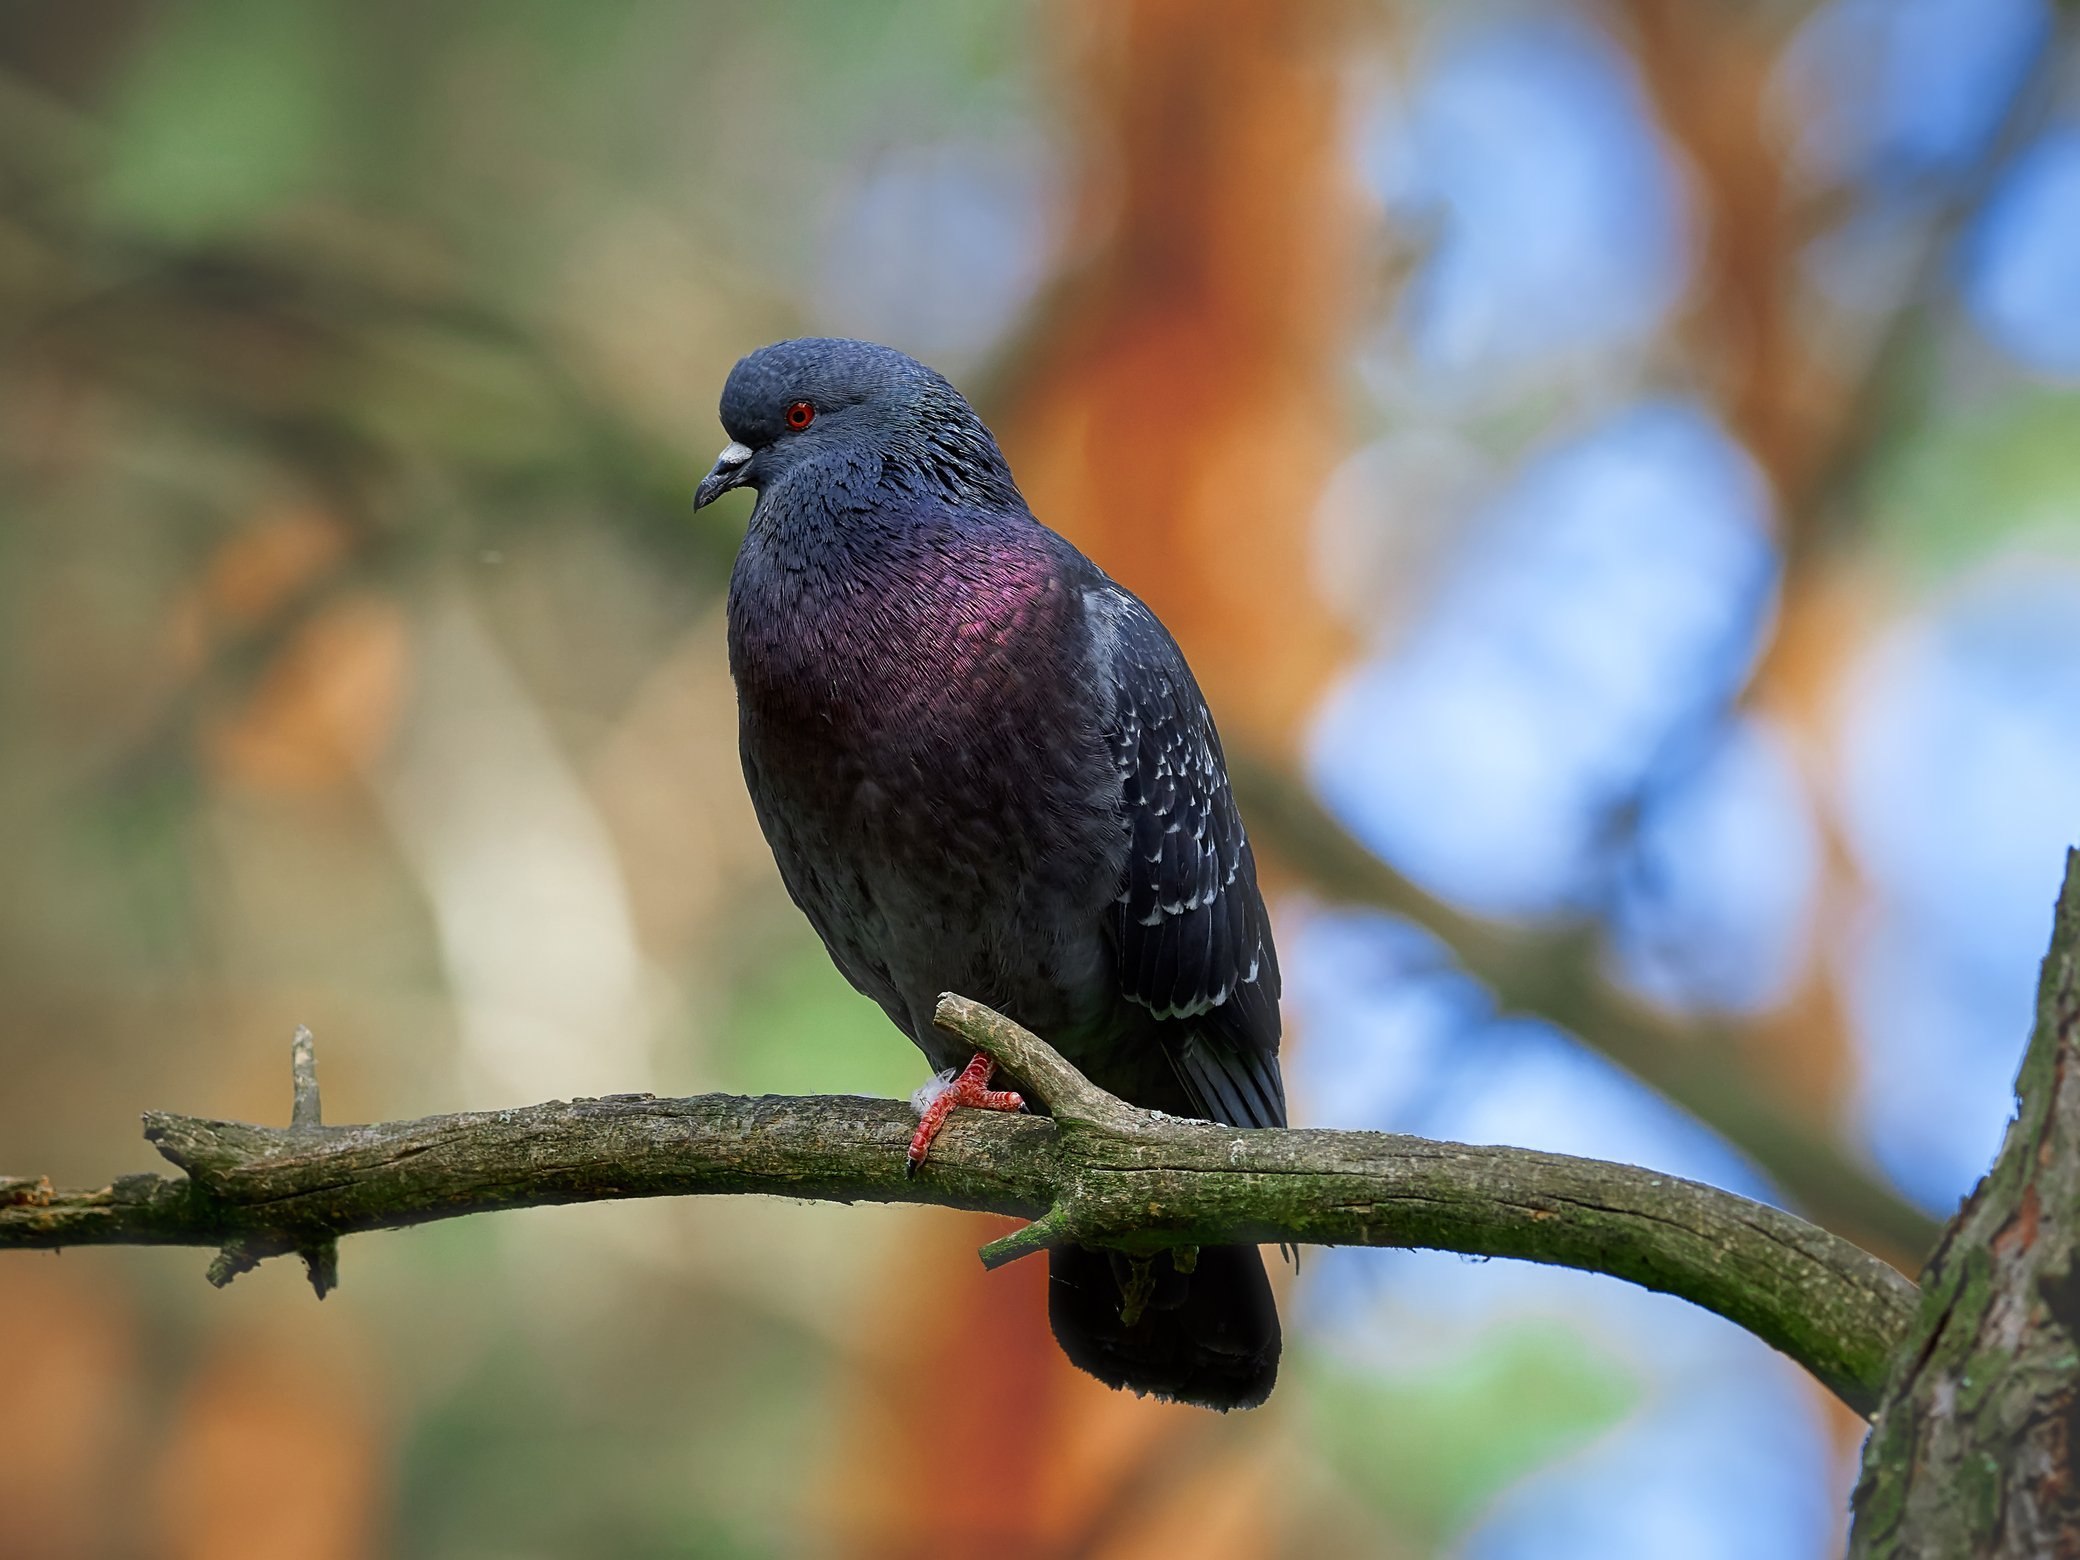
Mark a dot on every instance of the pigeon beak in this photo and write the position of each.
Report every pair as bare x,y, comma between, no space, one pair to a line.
732,466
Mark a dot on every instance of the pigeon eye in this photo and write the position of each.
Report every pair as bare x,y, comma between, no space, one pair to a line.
800,415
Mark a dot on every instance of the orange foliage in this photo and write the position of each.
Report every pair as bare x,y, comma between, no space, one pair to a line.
272,1455
1181,411
66,1359
324,709
256,571
330,693
1711,71
972,1435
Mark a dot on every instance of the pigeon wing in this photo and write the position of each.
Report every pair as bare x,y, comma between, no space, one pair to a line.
1189,926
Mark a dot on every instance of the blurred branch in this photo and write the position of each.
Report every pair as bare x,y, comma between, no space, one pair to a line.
1814,428
1711,76
1974,1450
1553,974
1100,1173
1879,392
1811,425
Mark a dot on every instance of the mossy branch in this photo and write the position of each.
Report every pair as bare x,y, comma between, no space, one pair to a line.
1101,1172
1552,973
1976,1448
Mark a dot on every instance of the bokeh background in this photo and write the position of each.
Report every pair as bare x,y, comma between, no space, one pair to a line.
1620,461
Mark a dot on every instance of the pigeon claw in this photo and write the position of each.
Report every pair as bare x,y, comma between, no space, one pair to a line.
970,1088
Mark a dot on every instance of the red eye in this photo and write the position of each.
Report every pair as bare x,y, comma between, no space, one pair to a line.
800,415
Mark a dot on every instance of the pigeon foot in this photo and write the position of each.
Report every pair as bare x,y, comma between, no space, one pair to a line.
971,1088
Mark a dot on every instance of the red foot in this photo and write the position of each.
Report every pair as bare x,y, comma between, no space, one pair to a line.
972,1089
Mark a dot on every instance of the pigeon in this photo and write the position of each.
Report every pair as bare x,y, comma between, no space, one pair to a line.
984,767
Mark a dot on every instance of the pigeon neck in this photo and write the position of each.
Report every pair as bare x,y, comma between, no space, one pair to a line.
853,628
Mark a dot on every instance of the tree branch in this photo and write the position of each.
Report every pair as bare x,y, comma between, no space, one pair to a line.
1101,1172
1553,974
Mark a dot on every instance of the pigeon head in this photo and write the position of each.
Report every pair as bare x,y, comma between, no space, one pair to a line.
852,407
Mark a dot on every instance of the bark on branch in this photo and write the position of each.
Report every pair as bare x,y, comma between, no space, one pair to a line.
1553,973
1100,1172
1976,1450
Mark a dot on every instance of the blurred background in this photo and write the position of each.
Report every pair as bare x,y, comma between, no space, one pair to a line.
1620,462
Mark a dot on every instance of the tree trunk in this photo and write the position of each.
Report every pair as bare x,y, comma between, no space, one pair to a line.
1972,1452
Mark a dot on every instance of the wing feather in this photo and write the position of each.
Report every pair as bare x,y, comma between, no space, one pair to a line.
1193,939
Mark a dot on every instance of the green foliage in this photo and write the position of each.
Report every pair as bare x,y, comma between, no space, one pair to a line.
800,1029
1963,487
521,1455
1429,1450
230,109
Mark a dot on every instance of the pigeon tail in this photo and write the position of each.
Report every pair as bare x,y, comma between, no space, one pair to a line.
1207,1336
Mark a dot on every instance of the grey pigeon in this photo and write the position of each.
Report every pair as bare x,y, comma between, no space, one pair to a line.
984,767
